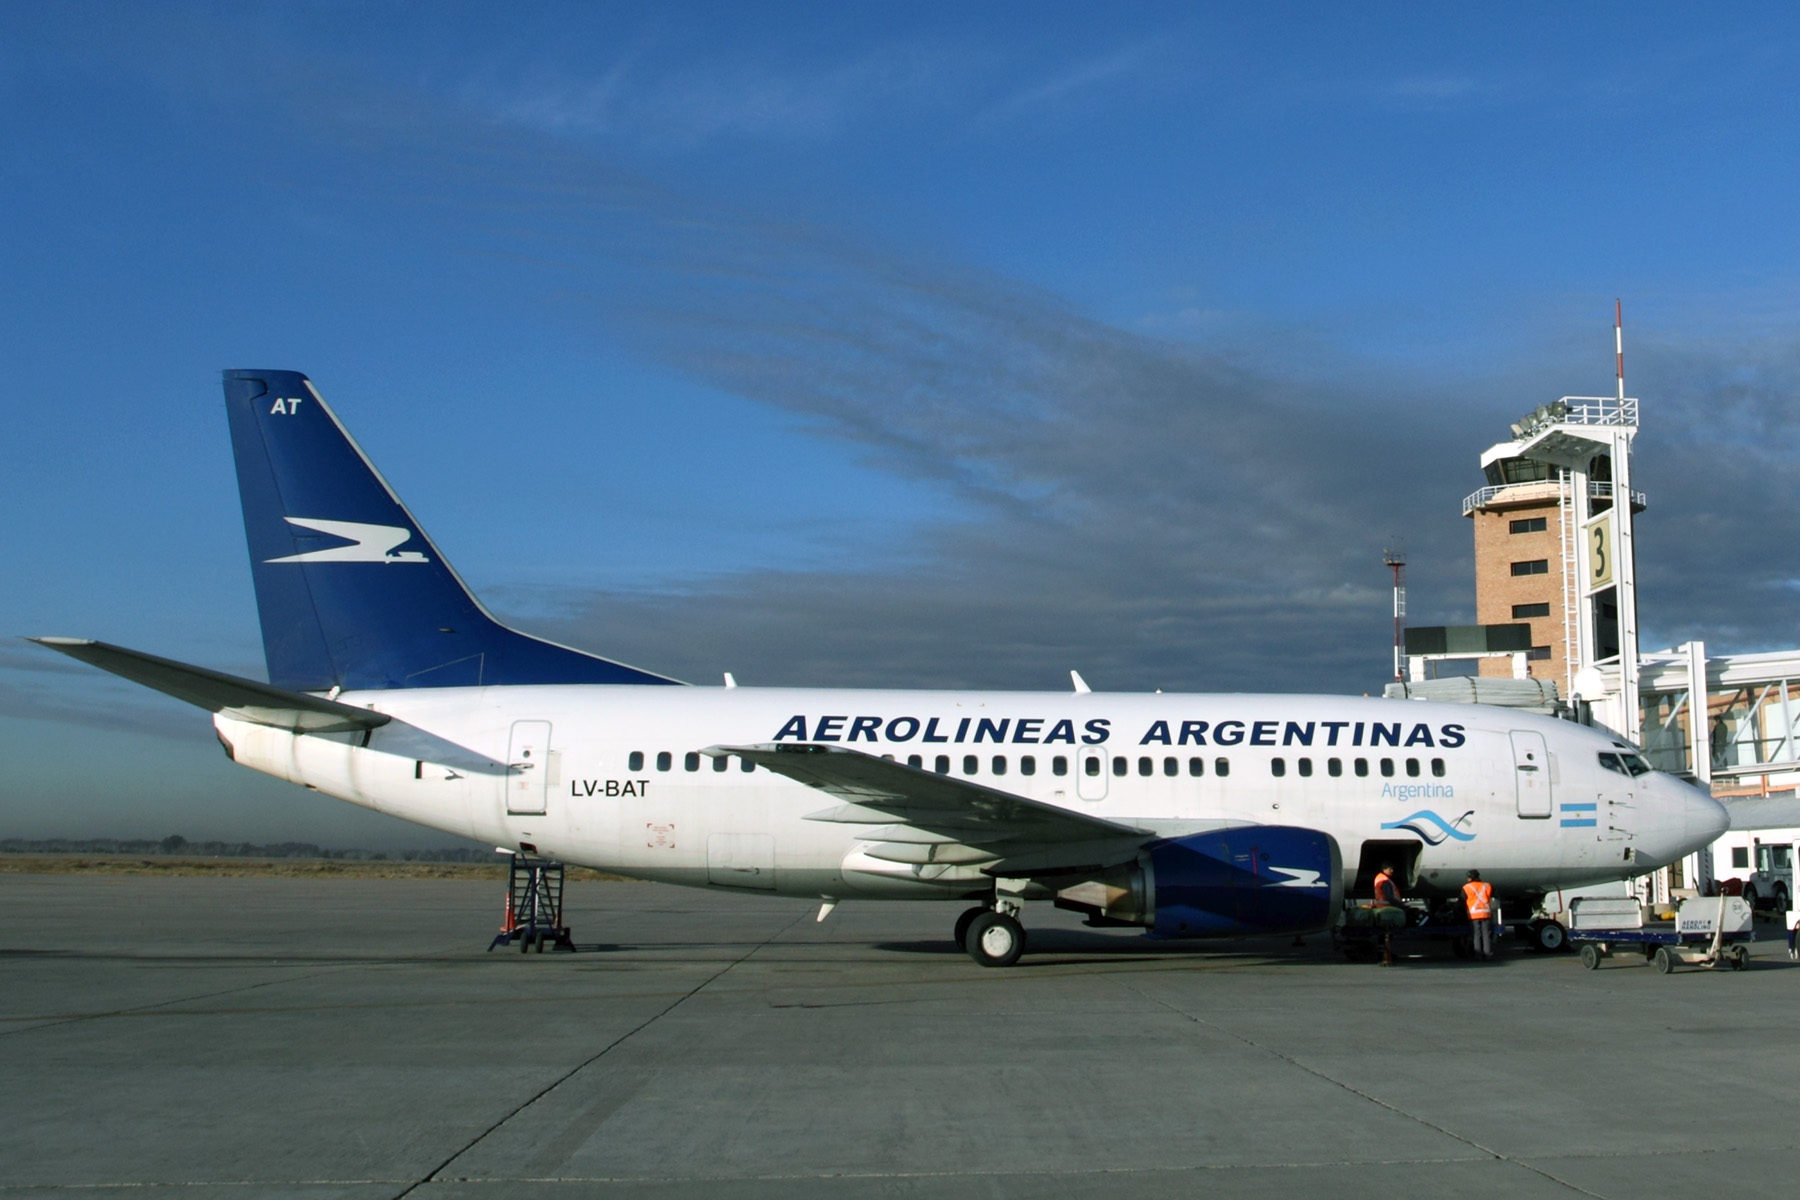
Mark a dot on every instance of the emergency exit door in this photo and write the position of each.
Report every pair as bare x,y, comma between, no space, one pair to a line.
1531,773
1090,773
528,767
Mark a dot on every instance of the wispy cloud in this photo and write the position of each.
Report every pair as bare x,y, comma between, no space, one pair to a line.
1130,502
742,97
1065,86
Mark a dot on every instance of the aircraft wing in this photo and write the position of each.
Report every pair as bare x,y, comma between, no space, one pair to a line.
215,691
920,816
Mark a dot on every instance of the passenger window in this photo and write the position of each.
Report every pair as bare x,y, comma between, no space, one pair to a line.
1387,768
1221,767
1059,765
1145,766
1305,766
1120,765
942,765
1362,768
1171,766
1334,767
1437,767
1091,766
1412,767
664,760
999,764
636,761
1196,766
971,764
1027,765
691,760
914,761
1278,767
722,763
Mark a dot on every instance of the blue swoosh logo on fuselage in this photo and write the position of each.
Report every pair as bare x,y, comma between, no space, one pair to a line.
1445,829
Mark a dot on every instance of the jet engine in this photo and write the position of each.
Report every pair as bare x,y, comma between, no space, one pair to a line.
1242,882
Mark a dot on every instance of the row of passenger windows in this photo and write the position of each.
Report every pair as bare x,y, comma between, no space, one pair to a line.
690,760
1360,767
1091,765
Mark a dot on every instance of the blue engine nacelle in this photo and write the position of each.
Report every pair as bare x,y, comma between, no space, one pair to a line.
1243,882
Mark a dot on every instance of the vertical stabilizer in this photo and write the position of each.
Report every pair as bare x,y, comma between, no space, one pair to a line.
351,591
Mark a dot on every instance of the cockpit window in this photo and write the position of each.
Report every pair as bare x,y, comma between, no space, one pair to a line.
1632,765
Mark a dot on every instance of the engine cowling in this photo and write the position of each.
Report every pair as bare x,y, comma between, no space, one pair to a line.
1242,882
1256,879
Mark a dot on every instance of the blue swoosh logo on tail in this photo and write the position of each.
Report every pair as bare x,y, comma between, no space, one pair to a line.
1445,829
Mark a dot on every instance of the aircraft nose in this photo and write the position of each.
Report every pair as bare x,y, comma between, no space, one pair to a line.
1704,819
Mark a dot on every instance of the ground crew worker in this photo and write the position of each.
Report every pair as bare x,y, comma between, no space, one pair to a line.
1387,892
1478,902
1387,895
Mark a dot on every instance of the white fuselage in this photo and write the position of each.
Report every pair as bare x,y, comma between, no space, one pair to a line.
552,768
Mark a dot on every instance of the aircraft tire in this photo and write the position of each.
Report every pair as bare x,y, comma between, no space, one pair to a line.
962,927
996,940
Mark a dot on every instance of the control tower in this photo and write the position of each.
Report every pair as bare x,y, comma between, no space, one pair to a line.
1554,549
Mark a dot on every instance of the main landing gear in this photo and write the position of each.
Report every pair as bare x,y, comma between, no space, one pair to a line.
993,937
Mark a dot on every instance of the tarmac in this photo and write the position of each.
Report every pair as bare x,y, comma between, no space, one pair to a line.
310,1038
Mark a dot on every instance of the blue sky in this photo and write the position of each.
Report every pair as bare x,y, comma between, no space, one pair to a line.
842,344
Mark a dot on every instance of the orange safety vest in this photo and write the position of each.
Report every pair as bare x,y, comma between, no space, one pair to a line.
1385,890
1478,898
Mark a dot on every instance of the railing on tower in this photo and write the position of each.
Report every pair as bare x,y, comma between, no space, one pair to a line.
1597,490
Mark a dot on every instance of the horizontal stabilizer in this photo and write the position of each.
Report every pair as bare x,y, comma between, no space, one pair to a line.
217,692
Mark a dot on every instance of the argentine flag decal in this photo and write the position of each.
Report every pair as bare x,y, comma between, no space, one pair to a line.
1574,815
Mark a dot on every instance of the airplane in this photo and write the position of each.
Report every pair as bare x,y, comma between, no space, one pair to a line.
1183,815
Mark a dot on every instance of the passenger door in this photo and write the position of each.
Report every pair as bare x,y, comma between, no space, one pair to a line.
528,768
1531,774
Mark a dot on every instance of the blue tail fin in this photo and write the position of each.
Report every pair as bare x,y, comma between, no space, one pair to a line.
351,592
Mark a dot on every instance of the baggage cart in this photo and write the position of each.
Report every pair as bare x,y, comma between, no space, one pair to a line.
1707,931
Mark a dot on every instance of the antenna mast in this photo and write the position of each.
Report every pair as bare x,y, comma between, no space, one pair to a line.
1619,344
1395,558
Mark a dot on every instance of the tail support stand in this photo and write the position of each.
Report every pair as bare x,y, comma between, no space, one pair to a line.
534,907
